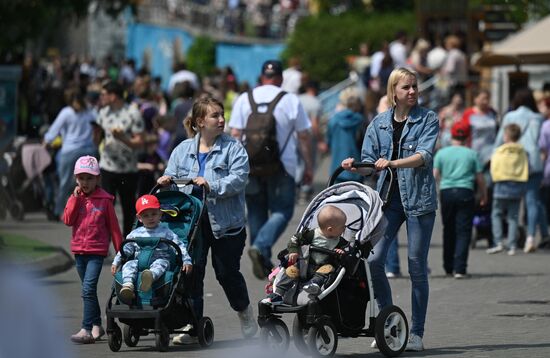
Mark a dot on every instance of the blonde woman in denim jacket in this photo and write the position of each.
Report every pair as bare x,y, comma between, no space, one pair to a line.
218,164
403,139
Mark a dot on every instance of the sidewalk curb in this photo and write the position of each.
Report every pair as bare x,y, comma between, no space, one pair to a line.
57,262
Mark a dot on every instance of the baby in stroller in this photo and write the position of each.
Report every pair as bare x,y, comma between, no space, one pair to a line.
318,266
149,214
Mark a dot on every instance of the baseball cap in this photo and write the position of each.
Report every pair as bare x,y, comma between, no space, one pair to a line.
460,130
147,202
272,68
86,164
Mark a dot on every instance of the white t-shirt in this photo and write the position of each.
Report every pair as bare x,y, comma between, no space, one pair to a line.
289,114
292,80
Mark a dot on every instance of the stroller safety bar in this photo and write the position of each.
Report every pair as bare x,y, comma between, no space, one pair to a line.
179,255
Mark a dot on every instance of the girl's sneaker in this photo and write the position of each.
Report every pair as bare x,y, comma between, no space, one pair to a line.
97,332
83,337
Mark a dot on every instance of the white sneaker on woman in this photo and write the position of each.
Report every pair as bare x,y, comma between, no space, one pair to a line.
249,327
415,344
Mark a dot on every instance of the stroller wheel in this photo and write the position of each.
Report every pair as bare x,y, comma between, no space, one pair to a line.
205,332
162,339
16,211
299,334
391,331
323,339
274,336
115,338
131,335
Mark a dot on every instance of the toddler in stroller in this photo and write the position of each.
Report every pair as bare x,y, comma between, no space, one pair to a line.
161,304
149,214
316,265
345,305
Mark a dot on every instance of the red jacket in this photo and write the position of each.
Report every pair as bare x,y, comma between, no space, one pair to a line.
94,223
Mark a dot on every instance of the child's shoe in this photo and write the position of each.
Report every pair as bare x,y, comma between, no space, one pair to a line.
495,250
97,332
274,299
312,289
126,293
146,281
83,337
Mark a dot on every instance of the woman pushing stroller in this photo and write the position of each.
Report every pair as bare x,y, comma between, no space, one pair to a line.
403,139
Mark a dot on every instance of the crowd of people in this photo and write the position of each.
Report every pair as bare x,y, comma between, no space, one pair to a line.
143,135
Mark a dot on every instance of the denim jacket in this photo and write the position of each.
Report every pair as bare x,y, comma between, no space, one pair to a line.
416,185
226,172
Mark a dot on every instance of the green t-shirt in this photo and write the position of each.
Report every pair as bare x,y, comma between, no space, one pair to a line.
457,167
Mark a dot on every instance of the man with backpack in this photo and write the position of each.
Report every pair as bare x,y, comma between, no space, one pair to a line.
272,125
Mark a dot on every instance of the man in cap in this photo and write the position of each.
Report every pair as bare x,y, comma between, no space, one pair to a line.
270,199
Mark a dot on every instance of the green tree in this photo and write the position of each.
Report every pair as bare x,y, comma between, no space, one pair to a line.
322,43
201,56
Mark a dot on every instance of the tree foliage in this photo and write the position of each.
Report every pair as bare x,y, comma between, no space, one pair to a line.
322,43
201,56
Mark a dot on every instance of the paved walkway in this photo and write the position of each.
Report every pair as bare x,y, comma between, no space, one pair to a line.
503,310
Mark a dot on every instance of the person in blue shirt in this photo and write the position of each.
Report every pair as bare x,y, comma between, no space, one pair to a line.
74,126
403,139
218,164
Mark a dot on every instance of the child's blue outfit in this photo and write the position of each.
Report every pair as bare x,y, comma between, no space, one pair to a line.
160,257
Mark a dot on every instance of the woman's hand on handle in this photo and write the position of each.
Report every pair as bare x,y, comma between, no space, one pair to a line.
382,164
347,164
164,180
202,182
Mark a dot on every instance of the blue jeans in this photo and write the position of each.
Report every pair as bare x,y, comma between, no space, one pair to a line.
536,212
65,173
270,205
457,210
89,268
419,235
392,260
511,207
226,260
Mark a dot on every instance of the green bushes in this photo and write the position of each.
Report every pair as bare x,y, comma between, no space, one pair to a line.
322,43
201,56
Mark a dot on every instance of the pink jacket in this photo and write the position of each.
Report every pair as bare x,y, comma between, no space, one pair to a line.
94,223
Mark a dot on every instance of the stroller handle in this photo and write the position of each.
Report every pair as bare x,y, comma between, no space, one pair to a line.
173,181
340,170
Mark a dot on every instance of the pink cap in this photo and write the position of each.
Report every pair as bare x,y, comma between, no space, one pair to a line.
86,164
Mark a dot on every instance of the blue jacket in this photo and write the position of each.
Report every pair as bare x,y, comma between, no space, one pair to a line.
341,139
226,172
530,124
416,185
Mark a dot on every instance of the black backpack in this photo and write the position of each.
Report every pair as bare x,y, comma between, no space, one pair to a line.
261,138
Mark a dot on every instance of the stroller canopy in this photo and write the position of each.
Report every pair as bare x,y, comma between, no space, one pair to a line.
361,204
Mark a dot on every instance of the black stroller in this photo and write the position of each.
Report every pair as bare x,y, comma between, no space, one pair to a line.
346,306
167,307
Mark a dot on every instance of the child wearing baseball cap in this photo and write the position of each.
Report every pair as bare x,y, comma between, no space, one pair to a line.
90,212
149,214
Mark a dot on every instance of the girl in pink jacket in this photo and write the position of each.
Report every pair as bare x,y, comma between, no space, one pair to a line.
90,212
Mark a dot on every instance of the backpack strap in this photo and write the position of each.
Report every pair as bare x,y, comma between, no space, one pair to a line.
270,106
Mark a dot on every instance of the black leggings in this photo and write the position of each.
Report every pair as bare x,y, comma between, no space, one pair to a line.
125,184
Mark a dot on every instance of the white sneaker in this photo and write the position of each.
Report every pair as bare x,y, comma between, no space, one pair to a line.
529,245
373,344
511,252
249,327
415,344
146,281
495,249
393,274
